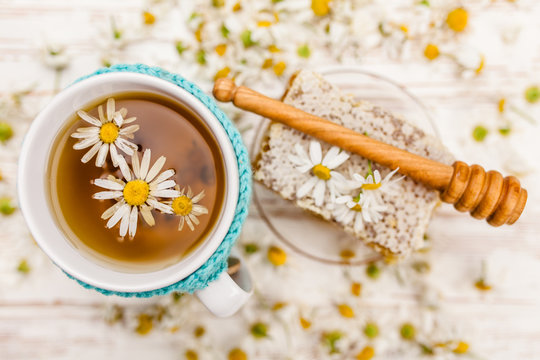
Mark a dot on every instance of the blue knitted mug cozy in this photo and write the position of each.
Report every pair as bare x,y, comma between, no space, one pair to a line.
217,263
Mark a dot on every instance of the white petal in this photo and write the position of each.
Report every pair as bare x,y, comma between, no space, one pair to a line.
358,223
155,169
129,120
102,117
338,160
124,224
302,153
102,155
108,184
315,152
330,155
135,165
126,146
147,215
306,187
145,164
118,119
318,192
198,197
129,130
124,168
104,195
304,168
199,210
118,215
343,199
114,155
89,118
167,193
110,211
83,144
359,178
165,184
133,217
90,153
189,192
160,206
110,109
163,176
194,219
84,135
89,129
190,224
377,175
123,112
181,223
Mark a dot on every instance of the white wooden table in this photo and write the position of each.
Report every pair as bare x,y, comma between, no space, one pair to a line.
44,315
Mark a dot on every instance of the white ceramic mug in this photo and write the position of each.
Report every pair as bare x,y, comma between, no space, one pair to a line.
222,297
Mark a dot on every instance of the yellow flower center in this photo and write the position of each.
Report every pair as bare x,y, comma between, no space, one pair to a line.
182,205
371,186
108,132
457,19
321,171
136,192
431,51
357,207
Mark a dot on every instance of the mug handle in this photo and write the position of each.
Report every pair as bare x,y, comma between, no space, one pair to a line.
226,295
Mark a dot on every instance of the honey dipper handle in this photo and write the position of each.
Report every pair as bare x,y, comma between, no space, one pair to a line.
468,188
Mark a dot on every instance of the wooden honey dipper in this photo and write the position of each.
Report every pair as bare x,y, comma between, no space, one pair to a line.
486,195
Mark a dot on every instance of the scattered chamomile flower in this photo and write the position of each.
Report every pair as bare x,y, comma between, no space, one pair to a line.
347,254
373,271
482,285
372,187
237,354
191,354
259,330
23,267
322,171
431,51
407,331
137,194
461,347
457,19
6,131
371,330
367,353
55,56
199,331
106,134
251,248
186,206
357,210
304,323
320,7
532,94
276,256
479,133
346,311
148,18
145,324
331,339
6,207
356,288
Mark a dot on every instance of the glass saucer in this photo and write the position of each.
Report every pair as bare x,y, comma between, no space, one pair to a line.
305,233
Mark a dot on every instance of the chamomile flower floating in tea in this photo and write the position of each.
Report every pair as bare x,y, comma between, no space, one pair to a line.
138,193
106,135
187,208
322,171
357,210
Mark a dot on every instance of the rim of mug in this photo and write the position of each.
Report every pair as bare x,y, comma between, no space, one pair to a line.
33,187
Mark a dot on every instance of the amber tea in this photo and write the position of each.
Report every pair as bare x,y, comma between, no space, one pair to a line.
137,180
